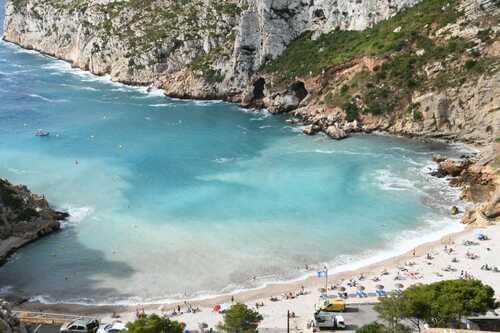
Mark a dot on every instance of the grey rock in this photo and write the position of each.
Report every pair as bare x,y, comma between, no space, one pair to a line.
336,133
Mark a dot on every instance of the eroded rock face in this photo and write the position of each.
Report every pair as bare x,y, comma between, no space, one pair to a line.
24,217
289,99
478,177
9,323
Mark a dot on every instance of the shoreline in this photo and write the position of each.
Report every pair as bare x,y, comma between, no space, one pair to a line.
361,263
270,288
303,306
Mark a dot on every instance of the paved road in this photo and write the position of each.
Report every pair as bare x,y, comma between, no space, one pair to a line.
355,317
359,315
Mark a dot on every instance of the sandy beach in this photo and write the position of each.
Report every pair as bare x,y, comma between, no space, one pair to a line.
454,256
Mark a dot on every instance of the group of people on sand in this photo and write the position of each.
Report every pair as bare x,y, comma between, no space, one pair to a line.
466,275
290,295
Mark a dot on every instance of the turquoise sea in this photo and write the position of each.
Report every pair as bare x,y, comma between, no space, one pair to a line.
173,198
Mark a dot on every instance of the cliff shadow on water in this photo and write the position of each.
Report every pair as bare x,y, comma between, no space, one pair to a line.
74,279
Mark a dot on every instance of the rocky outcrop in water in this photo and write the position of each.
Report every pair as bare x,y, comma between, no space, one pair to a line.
24,217
479,178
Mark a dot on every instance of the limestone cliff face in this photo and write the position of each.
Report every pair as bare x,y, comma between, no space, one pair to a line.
195,48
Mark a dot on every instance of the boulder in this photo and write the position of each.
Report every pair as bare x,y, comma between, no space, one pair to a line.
451,168
438,158
492,208
311,129
336,133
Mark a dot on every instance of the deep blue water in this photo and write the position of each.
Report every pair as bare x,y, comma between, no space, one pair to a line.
176,197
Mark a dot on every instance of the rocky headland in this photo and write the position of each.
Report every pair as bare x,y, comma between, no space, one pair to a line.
478,178
24,217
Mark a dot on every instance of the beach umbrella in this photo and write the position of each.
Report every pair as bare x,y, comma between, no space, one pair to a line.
379,286
341,288
399,285
361,288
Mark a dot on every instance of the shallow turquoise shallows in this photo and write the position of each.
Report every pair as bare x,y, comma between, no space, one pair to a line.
172,198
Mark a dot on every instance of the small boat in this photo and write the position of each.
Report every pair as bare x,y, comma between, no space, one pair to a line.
41,132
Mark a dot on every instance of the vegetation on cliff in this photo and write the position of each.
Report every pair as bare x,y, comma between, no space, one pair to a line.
24,217
414,53
152,30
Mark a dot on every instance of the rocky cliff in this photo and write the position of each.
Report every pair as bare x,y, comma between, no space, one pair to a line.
9,323
193,48
342,66
24,217
479,179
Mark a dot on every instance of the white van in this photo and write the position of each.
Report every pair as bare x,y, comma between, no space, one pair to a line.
329,320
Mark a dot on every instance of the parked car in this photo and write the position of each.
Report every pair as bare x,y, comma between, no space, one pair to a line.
115,327
81,325
329,320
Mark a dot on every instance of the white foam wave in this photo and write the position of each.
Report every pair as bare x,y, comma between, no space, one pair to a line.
206,102
222,160
48,99
295,129
17,171
160,105
405,150
388,181
77,214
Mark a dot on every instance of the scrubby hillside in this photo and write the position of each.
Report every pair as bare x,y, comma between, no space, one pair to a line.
432,70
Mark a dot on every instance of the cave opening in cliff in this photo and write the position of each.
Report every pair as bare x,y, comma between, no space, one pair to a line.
298,88
258,89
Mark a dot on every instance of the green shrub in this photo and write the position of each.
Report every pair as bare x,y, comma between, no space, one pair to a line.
439,304
240,319
351,110
154,324
485,35
304,56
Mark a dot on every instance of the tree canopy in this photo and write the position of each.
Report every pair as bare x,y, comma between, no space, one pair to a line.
154,324
240,319
440,304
